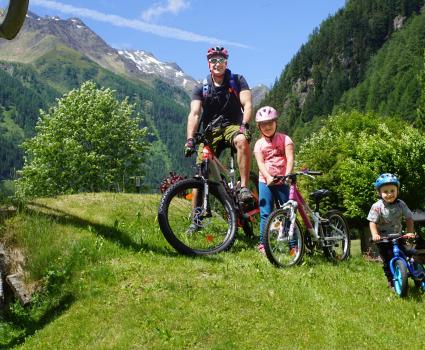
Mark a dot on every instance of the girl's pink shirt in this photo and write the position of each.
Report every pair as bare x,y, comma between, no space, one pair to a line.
273,154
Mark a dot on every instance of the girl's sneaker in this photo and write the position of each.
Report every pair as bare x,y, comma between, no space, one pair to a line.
261,249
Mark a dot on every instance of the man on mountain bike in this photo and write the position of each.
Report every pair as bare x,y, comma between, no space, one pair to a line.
226,95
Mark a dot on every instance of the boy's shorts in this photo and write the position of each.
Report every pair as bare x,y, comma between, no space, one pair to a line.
220,139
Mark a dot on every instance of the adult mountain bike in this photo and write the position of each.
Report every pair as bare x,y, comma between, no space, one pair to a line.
12,18
201,215
406,262
286,240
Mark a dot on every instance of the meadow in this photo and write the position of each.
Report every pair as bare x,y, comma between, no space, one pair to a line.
107,279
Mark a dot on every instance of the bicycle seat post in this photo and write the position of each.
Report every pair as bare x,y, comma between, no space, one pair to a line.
232,169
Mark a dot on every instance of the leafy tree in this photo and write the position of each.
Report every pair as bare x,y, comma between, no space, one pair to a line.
88,142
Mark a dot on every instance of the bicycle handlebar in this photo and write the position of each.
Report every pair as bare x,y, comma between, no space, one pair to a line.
200,136
390,238
310,173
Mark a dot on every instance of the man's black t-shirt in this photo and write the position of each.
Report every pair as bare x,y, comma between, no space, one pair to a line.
221,100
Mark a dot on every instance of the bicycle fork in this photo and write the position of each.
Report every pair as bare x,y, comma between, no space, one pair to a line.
291,205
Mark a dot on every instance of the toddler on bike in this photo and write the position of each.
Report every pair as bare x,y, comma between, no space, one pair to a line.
274,153
385,217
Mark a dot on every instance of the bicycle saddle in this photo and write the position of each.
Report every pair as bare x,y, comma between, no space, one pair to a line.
319,194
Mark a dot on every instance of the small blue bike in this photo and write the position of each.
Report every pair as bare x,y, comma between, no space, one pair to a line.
404,264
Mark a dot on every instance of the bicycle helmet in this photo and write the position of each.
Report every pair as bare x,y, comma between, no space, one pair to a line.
266,114
386,179
217,51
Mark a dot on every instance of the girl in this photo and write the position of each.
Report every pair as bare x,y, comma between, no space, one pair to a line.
274,153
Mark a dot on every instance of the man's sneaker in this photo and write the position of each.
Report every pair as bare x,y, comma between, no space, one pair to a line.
192,228
261,249
293,251
245,194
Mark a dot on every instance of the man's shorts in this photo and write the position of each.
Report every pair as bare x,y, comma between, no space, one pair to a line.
220,139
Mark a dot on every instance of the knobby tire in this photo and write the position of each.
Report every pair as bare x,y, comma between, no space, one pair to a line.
283,251
216,229
338,249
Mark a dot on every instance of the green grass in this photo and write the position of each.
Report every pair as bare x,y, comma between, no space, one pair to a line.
112,282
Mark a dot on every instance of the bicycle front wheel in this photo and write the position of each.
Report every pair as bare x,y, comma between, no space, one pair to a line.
337,237
401,285
192,229
283,249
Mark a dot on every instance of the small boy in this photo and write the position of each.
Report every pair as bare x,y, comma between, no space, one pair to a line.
385,217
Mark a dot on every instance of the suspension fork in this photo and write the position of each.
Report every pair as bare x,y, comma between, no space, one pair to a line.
295,196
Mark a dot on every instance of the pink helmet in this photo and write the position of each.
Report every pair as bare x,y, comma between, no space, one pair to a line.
217,51
266,114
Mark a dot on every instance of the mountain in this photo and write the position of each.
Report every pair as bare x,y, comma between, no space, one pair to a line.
52,56
337,58
40,35
147,65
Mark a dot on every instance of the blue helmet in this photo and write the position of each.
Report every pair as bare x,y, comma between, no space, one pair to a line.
386,179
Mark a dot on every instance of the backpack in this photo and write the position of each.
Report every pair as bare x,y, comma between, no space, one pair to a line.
233,87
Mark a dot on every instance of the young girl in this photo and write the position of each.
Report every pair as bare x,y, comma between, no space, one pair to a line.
274,153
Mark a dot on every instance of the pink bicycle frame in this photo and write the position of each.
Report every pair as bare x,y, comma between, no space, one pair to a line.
295,195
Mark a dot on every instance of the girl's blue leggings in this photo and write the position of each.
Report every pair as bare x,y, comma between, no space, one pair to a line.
267,197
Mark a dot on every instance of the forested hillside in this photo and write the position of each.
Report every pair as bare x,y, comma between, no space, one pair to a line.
28,88
337,57
391,86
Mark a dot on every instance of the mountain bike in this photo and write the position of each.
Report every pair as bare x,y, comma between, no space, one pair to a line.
12,18
200,215
285,240
404,264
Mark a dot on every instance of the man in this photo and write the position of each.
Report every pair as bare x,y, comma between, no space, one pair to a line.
217,97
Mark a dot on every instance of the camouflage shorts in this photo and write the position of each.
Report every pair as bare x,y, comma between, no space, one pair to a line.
221,139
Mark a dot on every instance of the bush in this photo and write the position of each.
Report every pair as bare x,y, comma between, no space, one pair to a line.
352,149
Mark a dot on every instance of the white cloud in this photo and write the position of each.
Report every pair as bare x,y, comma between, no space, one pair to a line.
164,31
172,6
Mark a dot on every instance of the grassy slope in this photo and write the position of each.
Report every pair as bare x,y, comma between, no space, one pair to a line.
115,284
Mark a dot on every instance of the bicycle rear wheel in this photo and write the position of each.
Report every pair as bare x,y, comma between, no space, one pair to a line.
189,228
251,225
281,249
337,237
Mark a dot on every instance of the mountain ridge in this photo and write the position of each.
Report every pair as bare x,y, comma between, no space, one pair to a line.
41,34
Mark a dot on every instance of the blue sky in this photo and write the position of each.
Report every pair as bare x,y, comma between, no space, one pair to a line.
262,36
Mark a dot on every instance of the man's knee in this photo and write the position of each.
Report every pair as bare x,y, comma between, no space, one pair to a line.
241,143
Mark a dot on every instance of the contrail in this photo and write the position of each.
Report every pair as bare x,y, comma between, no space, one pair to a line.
164,31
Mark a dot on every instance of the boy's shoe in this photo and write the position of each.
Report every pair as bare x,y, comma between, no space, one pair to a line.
245,194
391,285
261,249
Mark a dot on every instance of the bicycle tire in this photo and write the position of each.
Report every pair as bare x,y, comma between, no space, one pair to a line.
400,278
247,225
337,237
13,18
280,250
215,231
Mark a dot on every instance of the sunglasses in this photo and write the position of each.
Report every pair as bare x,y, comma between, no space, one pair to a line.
217,60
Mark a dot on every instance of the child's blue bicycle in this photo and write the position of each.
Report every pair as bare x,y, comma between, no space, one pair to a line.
404,264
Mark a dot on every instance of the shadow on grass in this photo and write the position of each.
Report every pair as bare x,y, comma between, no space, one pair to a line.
111,233
29,327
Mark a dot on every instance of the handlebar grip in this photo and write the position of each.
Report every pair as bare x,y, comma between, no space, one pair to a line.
311,172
